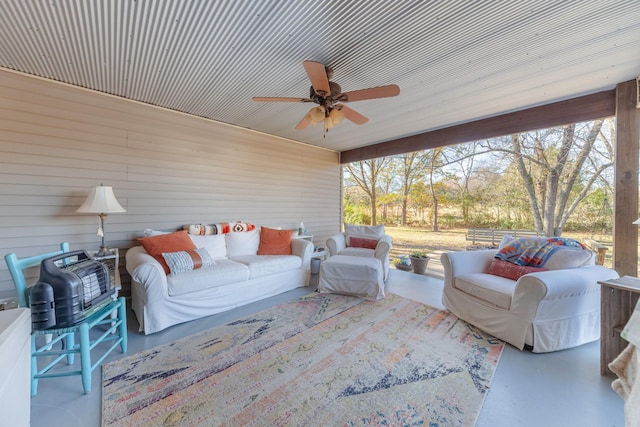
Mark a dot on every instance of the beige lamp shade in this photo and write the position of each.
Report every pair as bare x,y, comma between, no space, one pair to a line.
636,222
101,200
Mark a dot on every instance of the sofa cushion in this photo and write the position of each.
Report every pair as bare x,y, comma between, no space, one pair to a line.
275,242
200,229
240,226
363,252
183,261
223,272
510,270
367,231
265,265
215,244
494,290
567,257
164,243
242,243
148,232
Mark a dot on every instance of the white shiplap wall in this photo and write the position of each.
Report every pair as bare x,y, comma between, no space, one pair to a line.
167,169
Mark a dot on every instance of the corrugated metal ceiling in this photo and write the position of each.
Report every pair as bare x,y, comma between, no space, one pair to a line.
454,60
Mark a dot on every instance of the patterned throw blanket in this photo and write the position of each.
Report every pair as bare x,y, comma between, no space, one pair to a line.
534,251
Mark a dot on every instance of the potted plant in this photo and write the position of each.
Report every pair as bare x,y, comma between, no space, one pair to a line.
419,261
402,263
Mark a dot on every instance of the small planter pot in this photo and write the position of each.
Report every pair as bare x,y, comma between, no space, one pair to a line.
419,264
403,267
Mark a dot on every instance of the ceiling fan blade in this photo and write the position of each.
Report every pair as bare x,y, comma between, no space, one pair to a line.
303,123
371,93
353,115
268,99
318,77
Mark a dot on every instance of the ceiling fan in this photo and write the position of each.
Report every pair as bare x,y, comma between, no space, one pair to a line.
330,98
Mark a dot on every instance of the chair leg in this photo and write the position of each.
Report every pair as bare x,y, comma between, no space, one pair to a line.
47,340
34,367
70,341
85,357
122,314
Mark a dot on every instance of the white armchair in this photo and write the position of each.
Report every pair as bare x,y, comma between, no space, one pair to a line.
547,311
339,244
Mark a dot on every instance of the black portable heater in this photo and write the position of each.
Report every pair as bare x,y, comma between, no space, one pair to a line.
70,287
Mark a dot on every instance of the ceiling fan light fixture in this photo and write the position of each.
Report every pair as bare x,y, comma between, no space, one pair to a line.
328,123
336,116
316,115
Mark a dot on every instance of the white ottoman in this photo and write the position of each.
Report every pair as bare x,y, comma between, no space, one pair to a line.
352,275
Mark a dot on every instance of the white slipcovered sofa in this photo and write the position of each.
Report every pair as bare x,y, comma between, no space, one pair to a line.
239,276
342,243
548,311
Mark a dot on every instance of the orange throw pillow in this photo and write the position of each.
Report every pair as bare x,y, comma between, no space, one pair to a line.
165,243
275,242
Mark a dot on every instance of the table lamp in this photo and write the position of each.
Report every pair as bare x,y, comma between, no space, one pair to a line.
101,201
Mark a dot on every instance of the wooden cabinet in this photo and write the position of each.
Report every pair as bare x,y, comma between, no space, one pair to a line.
619,298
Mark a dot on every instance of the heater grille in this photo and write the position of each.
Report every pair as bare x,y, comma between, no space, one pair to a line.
94,277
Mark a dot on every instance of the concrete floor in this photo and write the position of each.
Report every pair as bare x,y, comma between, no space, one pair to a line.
562,389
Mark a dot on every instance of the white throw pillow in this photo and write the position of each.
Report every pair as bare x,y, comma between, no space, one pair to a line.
567,257
242,243
367,231
148,232
183,261
215,244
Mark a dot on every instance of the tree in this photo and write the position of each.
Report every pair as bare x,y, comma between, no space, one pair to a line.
366,174
558,167
411,168
462,159
434,168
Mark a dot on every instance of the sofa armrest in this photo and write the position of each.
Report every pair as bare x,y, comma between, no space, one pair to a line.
533,289
302,248
336,244
145,270
383,247
458,263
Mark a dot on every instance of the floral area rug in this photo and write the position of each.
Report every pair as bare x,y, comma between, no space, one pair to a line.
321,360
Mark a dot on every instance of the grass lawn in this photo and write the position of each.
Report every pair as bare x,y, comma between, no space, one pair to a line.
410,239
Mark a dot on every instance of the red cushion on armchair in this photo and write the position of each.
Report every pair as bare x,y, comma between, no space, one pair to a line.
362,242
510,270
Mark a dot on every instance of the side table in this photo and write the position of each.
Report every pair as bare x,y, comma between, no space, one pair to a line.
320,253
619,298
112,261
308,237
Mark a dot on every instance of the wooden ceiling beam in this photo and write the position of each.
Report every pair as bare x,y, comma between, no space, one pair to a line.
584,108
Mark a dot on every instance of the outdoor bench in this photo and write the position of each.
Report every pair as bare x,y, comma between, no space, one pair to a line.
494,236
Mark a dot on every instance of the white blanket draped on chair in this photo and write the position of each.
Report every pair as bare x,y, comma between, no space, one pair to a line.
626,367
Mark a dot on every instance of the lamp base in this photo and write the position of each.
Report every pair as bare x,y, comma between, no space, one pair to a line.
104,251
